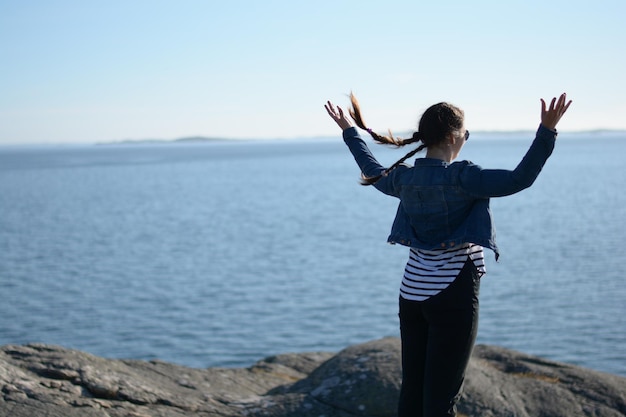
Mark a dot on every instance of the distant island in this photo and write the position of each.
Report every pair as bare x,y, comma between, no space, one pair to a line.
188,139
484,133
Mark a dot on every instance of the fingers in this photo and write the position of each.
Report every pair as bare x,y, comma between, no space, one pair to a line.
567,106
561,100
562,105
330,108
556,106
551,115
337,113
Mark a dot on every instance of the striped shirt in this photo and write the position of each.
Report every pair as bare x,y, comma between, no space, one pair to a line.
428,272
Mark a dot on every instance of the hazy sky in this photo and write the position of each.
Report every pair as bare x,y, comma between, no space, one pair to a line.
90,71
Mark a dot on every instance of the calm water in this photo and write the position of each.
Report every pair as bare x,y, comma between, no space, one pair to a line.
221,254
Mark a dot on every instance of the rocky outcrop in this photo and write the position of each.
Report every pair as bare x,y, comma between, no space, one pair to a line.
362,380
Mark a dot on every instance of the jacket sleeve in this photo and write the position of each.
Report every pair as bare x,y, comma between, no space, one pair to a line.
369,165
485,183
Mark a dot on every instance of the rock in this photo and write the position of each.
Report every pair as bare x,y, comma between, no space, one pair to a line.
502,382
362,380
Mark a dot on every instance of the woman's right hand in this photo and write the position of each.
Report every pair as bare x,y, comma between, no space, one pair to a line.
338,116
550,117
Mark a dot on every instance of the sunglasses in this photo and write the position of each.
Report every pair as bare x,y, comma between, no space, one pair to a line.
466,135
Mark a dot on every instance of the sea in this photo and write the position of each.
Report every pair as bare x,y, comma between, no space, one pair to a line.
222,253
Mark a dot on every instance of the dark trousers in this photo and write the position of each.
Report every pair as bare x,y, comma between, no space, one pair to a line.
437,340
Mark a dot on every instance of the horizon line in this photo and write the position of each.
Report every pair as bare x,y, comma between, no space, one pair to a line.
202,138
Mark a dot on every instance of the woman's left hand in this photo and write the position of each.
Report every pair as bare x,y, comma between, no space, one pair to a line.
550,117
338,116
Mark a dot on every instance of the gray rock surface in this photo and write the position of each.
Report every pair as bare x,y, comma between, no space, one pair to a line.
38,380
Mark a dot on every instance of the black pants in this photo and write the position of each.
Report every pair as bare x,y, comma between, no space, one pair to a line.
437,340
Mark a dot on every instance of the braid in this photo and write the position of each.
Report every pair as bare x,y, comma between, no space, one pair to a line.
436,123
355,113
372,180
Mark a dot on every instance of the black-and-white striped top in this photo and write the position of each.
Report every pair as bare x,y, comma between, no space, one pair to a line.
428,272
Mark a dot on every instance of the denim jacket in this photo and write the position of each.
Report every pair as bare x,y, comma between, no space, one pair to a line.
443,204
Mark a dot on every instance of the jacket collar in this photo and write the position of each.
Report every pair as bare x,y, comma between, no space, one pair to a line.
430,162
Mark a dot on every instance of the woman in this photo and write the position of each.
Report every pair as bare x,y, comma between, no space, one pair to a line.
445,220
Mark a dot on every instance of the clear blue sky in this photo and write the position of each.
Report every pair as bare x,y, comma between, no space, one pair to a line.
90,71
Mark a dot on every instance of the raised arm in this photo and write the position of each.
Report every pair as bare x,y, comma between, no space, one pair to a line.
500,182
369,165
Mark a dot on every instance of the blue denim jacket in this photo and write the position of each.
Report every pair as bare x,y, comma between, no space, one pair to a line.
442,204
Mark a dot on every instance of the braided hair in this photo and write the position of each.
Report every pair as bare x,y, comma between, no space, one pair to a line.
437,122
